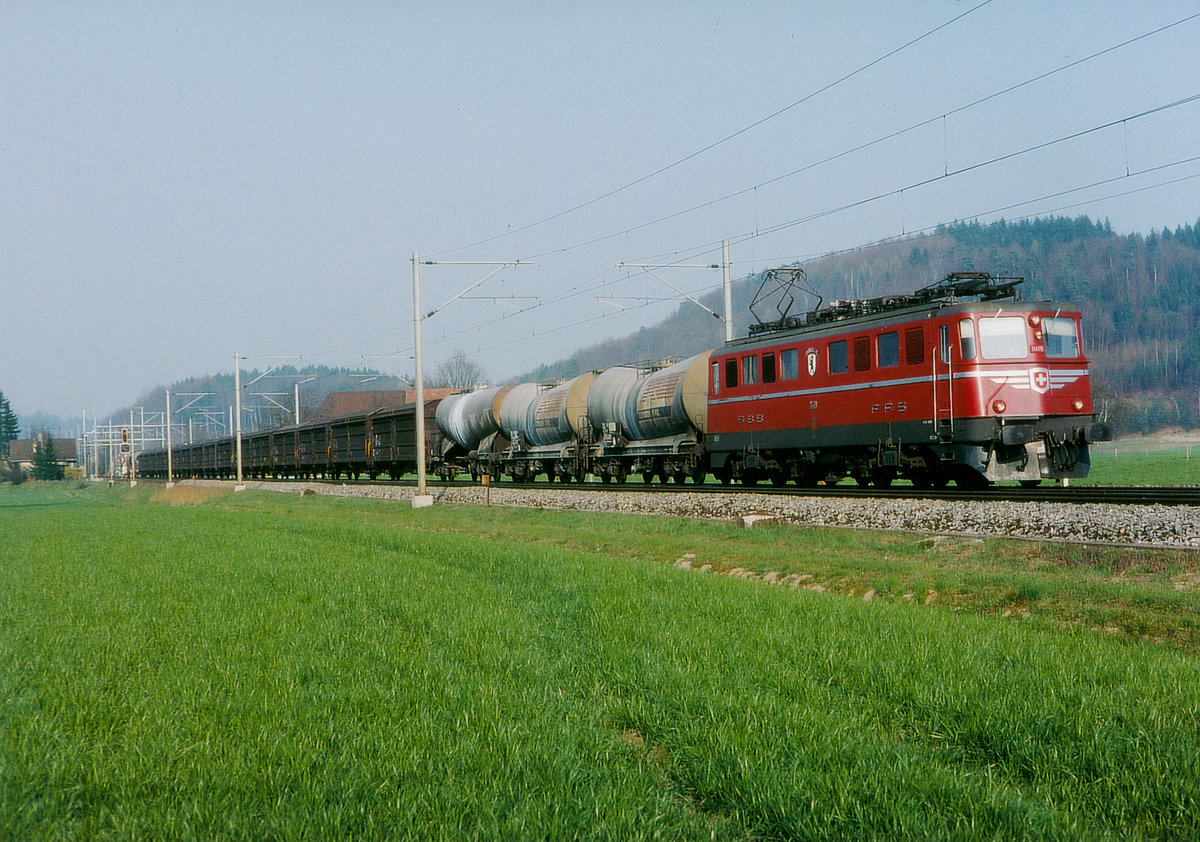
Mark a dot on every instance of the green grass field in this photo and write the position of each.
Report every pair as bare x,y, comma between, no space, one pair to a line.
267,666
1135,462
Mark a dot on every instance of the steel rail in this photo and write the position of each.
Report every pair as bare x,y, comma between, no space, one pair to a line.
1112,495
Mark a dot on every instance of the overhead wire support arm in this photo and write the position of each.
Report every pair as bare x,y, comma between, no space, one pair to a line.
649,268
499,266
503,299
612,300
271,397
270,370
195,396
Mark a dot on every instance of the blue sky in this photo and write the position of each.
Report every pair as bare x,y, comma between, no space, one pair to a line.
183,181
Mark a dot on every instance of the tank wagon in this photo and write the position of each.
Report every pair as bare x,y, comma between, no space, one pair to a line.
646,420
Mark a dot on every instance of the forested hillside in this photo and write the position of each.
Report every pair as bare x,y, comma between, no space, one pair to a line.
1140,296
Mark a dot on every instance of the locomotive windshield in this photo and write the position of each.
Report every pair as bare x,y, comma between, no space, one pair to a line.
1062,337
1003,338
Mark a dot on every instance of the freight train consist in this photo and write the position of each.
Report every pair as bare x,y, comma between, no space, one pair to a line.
961,381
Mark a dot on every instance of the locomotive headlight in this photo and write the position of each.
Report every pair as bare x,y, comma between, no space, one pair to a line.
1077,405
1034,321
999,406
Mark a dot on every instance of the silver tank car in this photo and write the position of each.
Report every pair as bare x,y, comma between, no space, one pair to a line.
671,400
666,402
609,395
514,408
557,414
468,419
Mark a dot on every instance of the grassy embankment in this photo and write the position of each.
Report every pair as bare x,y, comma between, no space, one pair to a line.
267,666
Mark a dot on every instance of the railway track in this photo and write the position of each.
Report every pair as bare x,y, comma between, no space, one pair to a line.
1096,494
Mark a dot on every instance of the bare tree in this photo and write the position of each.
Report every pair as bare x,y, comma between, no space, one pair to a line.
458,372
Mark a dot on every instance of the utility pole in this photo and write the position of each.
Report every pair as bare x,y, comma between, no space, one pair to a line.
423,498
167,423
237,399
728,284
237,416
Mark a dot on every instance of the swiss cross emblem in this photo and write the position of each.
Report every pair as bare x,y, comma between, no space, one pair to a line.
1039,380
811,353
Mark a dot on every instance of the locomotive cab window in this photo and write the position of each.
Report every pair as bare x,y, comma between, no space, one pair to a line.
887,349
789,364
768,367
839,357
1061,337
749,370
716,378
966,338
731,373
1002,338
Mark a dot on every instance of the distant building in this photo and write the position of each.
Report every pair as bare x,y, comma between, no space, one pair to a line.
340,404
21,452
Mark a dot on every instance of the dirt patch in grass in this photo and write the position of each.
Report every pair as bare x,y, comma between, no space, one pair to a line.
186,495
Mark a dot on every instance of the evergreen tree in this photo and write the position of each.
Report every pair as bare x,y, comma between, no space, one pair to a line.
9,428
45,465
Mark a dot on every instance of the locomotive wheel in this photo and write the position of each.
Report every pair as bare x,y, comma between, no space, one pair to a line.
1030,483
620,475
647,477
779,478
698,475
605,478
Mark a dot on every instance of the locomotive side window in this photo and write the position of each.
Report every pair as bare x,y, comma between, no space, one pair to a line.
731,373
914,346
966,338
768,367
944,342
839,357
789,364
749,370
887,349
1062,337
716,378
1002,338
862,353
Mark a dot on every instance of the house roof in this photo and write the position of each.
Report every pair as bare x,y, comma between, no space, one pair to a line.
23,450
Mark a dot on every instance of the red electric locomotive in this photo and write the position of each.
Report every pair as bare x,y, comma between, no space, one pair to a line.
960,381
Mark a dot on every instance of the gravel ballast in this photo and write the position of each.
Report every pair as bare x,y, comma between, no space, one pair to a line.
1157,526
